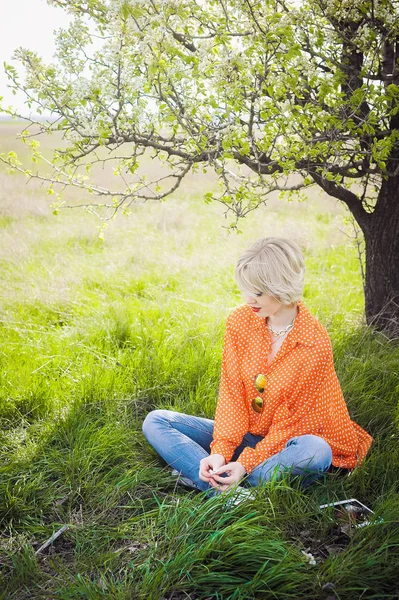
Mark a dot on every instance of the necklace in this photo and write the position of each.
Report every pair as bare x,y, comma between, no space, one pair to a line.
281,331
279,339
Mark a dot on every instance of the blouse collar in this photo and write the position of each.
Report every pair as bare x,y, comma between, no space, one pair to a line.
303,331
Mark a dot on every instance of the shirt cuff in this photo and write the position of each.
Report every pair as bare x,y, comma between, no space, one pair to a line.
216,449
248,459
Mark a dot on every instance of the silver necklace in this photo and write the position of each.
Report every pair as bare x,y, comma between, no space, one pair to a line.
281,331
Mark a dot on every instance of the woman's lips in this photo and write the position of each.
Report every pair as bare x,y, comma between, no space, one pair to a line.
255,309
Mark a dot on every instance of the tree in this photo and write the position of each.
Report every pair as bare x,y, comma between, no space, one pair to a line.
256,89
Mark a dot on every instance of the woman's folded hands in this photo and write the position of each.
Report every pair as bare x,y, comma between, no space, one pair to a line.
219,475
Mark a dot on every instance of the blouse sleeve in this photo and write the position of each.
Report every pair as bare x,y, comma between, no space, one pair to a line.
231,418
303,414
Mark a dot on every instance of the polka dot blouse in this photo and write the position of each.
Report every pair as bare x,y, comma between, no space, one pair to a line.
301,393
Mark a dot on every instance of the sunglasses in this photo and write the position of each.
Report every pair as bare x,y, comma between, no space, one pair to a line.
260,384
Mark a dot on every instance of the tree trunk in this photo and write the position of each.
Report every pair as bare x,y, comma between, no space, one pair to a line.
382,260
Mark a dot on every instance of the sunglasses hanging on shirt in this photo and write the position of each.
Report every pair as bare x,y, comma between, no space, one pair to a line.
260,384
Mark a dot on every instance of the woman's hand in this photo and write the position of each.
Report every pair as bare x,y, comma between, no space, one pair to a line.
236,472
208,464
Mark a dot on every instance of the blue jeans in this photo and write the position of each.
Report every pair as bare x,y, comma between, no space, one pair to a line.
183,440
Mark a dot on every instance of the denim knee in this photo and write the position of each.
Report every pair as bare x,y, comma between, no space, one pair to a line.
315,445
154,418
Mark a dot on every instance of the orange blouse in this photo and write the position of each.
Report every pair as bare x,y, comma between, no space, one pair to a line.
302,392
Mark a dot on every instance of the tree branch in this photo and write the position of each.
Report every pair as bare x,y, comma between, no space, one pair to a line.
352,201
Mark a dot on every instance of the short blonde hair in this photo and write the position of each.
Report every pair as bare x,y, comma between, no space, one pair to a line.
274,266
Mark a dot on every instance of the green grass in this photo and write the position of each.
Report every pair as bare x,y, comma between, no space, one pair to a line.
93,335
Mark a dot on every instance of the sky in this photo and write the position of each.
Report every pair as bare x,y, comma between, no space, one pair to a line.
27,23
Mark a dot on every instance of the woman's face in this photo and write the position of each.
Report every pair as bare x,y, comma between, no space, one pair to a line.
262,305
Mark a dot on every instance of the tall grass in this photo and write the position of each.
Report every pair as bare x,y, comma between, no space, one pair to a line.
94,334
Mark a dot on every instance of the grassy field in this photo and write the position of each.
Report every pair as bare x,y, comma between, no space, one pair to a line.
94,334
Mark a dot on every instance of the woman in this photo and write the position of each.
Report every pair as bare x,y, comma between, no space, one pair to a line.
280,405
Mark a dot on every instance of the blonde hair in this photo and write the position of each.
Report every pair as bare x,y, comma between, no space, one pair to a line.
274,266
